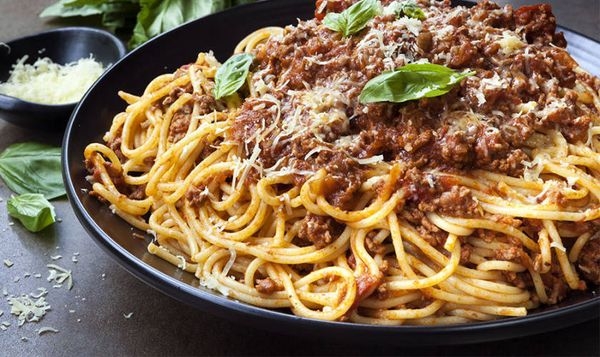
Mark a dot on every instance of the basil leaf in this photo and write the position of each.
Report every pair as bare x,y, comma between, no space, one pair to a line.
32,168
353,19
410,82
158,16
232,74
65,8
153,16
33,210
410,9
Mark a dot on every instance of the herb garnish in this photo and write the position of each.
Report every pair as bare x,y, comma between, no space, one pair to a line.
409,9
232,74
33,210
410,82
353,19
32,168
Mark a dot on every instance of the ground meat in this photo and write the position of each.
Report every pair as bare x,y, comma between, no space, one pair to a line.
588,262
206,103
180,123
538,23
342,182
425,40
268,286
555,284
115,145
195,195
458,201
372,246
515,254
520,280
465,253
181,119
318,230
137,192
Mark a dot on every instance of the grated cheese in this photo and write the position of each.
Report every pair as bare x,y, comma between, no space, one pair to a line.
28,310
558,246
43,330
370,160
412,25
59,275
47,82
510,43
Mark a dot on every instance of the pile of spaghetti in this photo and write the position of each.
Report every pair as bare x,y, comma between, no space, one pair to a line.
309,189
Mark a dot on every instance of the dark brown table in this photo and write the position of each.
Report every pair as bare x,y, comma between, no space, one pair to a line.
109,312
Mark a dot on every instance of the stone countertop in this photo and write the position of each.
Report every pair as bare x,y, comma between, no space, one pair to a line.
110,312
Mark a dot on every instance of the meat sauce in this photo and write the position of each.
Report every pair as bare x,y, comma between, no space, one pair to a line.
485,123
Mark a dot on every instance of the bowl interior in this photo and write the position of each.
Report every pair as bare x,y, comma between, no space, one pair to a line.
62,46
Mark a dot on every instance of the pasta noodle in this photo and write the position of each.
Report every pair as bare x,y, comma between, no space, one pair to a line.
292,194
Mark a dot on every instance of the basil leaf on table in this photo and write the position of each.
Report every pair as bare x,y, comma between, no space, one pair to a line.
32,168
410,82
232,74
150,17
353,19
157,16
33,210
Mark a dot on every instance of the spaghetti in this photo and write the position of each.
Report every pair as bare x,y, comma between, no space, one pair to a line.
292,194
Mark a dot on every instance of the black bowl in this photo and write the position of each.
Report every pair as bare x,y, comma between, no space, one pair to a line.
62,46
166,53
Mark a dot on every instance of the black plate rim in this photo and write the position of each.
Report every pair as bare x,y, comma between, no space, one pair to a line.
198,297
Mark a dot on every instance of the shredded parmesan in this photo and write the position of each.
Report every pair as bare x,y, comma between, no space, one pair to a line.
558,246
510,43
59,275
28,310
370,160
47,82
43,330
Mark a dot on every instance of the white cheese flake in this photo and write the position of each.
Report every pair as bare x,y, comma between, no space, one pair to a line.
558,246
43,330
370,160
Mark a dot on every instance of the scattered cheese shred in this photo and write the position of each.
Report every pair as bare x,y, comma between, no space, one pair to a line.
43,330
59,275
28,310
47,82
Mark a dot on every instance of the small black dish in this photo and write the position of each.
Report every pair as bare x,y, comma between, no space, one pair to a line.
62,46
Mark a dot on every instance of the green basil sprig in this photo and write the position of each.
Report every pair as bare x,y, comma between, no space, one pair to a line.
32,168
410,9
33,210
232,74
353,19
410,82
150,17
